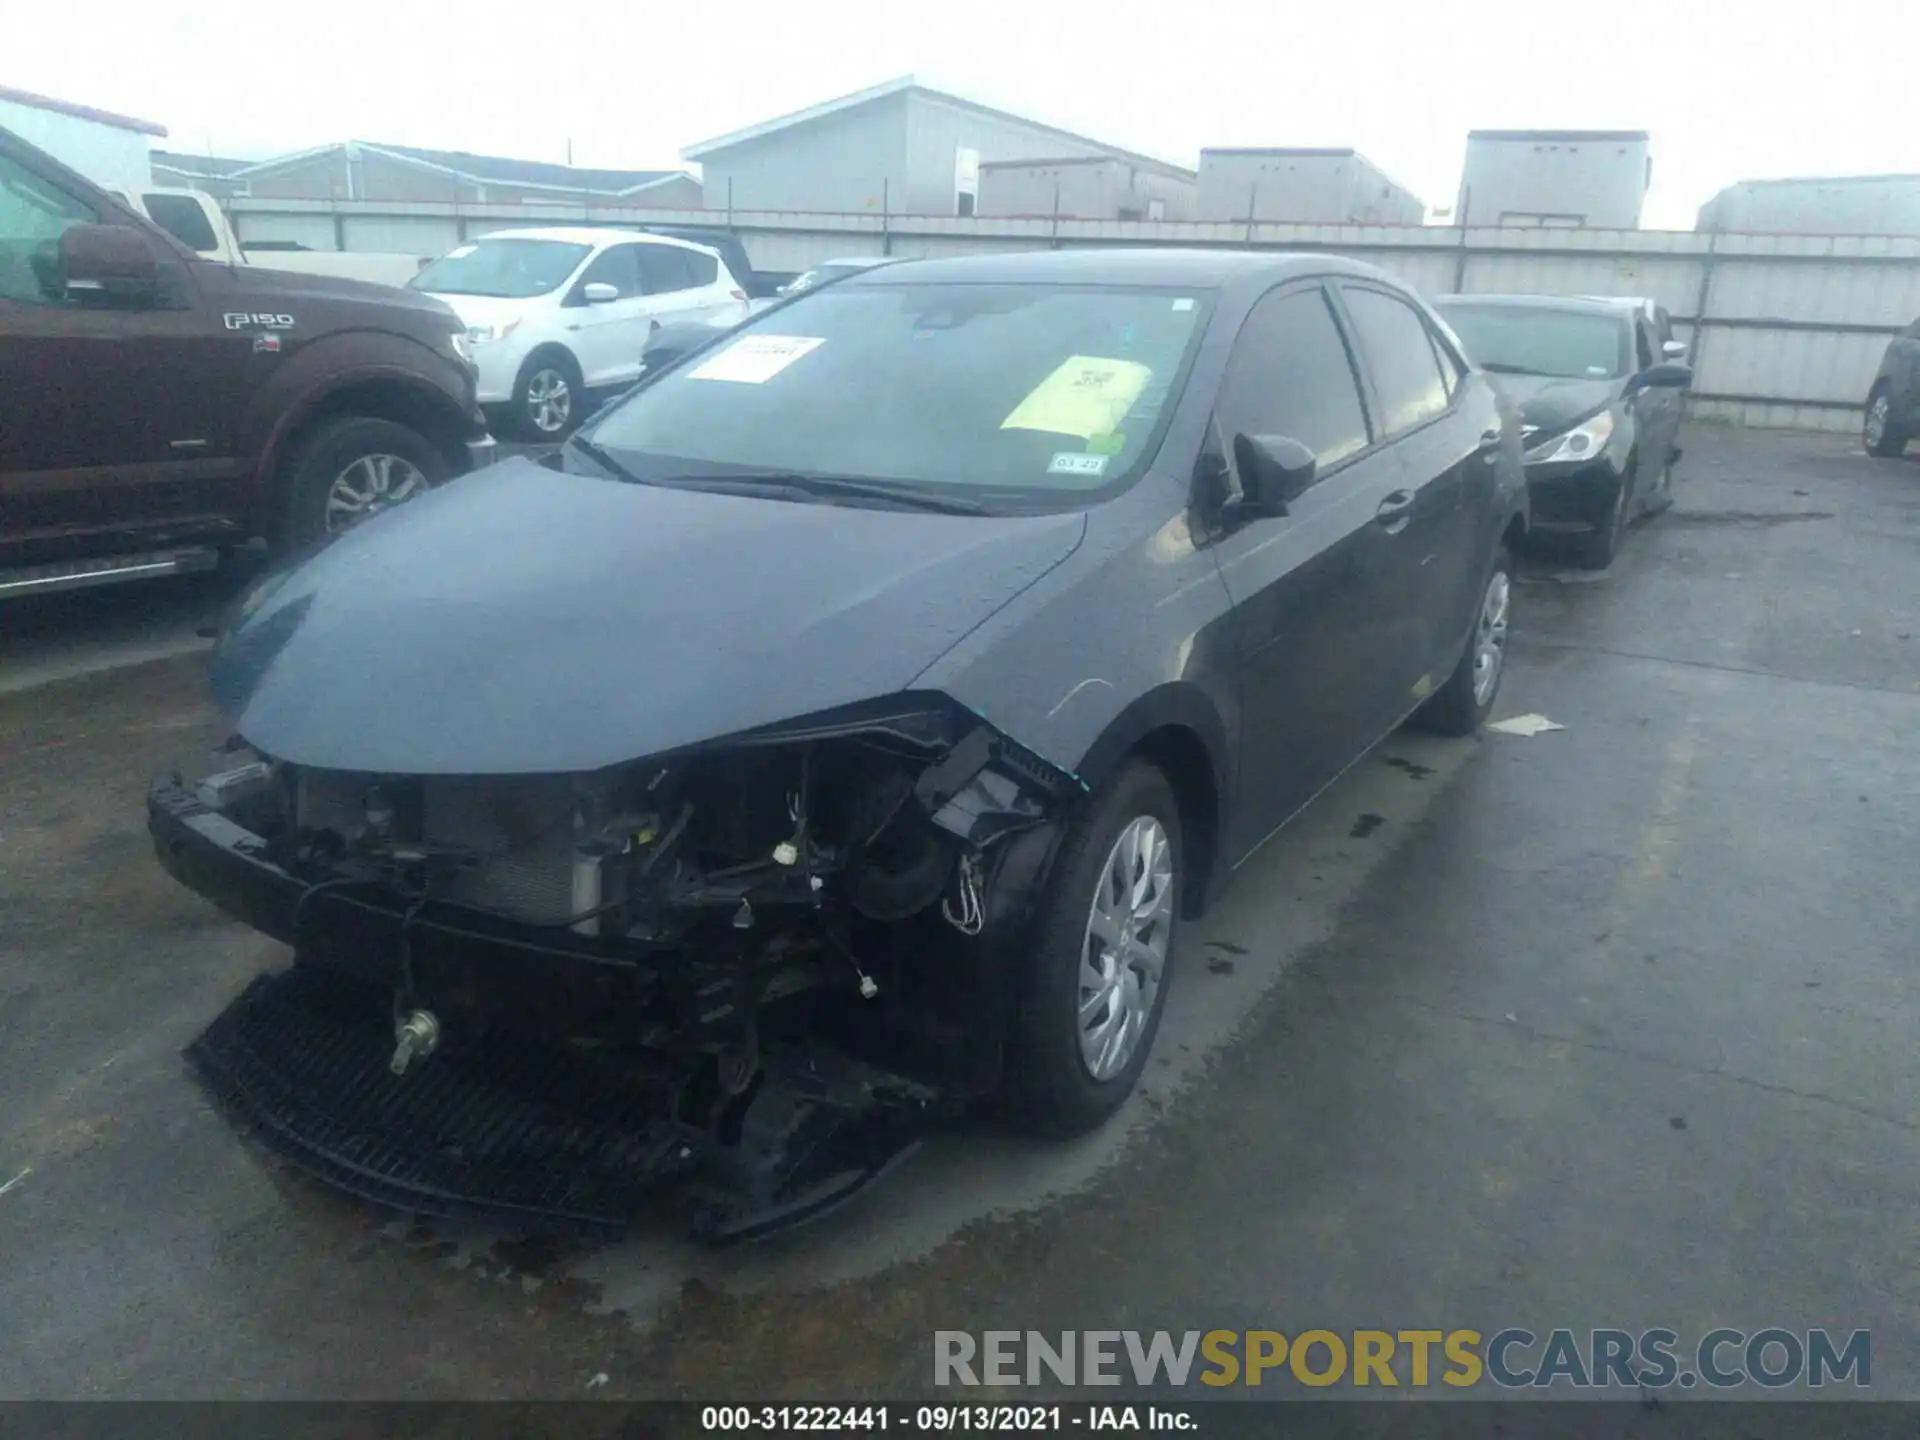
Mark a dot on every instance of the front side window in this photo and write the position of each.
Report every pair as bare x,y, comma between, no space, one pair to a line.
504,267
613,266
34,214
1290,375
1400,355
1540,340
1030,391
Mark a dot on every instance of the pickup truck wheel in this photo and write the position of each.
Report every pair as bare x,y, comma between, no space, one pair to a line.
1096,978
549,398
349,470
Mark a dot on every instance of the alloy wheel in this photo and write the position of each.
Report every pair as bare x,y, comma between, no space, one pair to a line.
1123,956
549,401
1874,432
1490,637
367,486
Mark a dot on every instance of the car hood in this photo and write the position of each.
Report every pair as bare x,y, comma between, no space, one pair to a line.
520,620
293,285
484,309
1550,404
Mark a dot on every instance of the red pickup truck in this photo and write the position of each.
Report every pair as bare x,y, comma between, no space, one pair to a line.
156,408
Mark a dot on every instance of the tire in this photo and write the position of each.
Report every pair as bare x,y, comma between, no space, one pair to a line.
351,458
1058,1088
549,397
1661,499
1462,704
1597,550
1879,435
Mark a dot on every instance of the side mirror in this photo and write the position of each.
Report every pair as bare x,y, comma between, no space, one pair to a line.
1668,374
1674,350
111,263
1274,471
599,292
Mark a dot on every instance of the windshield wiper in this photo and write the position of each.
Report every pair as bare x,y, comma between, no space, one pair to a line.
1494,367
601,458
830,487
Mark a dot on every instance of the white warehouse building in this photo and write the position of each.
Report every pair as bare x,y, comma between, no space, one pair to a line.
1305,186
111,150
1591,179
1834,205
1087,187
902,148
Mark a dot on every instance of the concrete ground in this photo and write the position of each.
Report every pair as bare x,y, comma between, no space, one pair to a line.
1611,1026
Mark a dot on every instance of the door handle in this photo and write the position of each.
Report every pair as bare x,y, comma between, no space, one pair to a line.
1394,511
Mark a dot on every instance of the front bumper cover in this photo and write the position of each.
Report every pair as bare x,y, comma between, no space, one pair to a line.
1572,498
545,1134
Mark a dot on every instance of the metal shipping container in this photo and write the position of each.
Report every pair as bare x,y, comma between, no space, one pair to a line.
1592,179
1305,186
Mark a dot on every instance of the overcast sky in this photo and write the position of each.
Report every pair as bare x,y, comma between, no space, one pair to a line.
1729,91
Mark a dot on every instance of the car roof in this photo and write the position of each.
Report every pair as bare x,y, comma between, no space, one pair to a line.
1574,304
587,235
1187,269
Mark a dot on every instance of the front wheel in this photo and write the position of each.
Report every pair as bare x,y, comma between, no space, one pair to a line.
549,398
1596,551
349,470
1461,706
1878,434
1096,982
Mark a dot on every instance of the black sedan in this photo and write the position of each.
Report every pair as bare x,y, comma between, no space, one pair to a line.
896,674
1599,402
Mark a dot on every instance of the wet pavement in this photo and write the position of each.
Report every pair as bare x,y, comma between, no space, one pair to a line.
1610,1026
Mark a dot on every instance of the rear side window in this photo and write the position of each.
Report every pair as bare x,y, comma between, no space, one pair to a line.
664,268
181,217
1290,375
1400,354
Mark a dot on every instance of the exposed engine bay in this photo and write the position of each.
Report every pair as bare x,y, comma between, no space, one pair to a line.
823,904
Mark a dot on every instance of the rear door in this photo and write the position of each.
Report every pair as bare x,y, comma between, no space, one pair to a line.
1306,586
1439,449
689,284
113,419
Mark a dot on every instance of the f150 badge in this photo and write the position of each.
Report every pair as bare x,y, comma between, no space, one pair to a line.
247,320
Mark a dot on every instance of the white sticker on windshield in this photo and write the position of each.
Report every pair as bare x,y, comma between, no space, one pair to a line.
1069,462
460,250
1183,303
755,359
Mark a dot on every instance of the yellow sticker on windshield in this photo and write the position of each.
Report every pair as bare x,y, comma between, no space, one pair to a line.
1086,396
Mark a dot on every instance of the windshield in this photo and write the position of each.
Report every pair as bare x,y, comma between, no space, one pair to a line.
506,268
1037,389
1535,340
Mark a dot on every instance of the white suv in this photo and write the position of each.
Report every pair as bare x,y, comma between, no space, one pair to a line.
553,313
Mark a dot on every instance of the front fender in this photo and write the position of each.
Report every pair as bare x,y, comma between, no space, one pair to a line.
302,385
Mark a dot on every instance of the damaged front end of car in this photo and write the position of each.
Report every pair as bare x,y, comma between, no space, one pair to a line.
761,965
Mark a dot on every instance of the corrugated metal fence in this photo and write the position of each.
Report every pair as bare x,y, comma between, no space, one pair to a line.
1786,330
